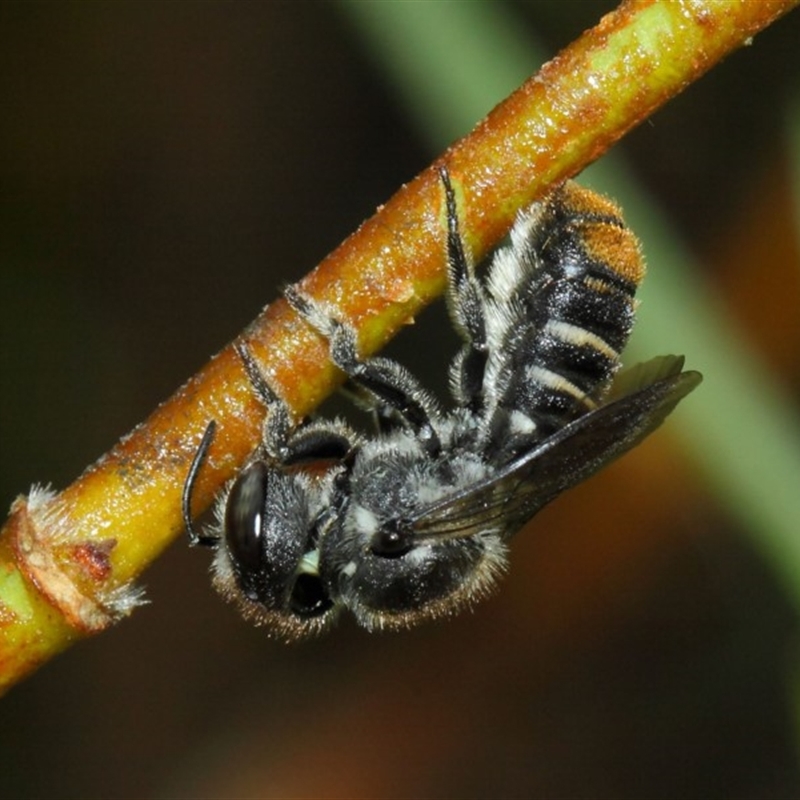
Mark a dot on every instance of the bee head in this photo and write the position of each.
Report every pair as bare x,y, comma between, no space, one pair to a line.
266,558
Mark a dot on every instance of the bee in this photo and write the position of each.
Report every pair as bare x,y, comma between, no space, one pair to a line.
413,523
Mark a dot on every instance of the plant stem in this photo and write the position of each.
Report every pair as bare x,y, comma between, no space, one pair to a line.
68,558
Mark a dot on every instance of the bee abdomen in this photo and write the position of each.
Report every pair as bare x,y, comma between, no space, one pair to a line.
582,267
579,222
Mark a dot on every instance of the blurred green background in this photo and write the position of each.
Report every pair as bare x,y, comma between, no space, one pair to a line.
164,168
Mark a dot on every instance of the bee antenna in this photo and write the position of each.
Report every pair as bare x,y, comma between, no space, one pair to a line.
196,537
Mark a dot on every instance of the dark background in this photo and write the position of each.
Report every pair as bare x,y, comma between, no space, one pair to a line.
164,168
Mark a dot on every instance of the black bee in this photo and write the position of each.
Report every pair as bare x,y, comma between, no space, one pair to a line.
413,523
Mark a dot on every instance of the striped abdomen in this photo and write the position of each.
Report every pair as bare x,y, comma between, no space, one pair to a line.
567,284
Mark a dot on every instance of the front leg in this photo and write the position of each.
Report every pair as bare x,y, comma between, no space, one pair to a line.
281,440
391,383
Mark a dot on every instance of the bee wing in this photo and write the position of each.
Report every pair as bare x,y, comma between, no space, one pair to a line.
521,488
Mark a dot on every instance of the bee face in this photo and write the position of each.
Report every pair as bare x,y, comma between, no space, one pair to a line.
264,561
413,523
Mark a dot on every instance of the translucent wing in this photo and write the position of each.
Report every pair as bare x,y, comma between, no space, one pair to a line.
511,497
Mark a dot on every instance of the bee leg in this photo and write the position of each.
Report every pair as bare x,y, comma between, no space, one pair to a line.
280,439
466,303
391,383
384,417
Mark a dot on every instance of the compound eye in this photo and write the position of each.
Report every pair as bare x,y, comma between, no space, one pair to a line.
244,517
309,598
391,541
